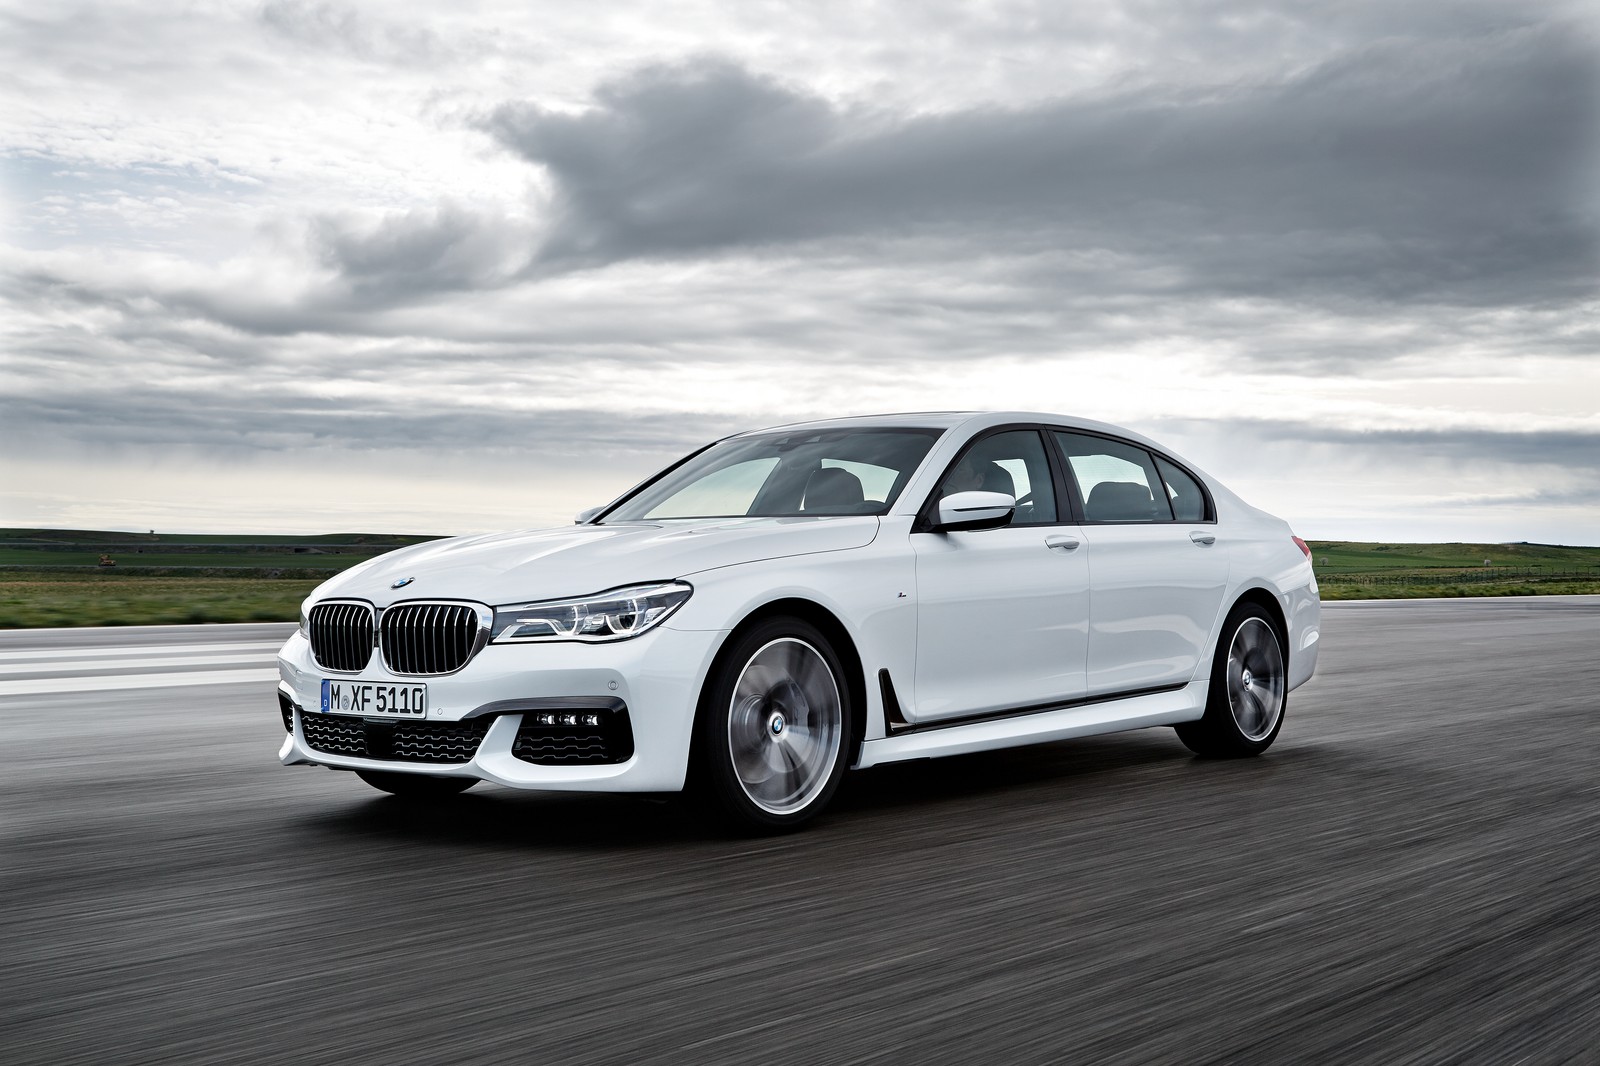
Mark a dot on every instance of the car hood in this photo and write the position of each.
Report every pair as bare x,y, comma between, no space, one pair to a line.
545,564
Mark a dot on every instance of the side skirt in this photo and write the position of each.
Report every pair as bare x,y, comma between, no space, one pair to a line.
1164,707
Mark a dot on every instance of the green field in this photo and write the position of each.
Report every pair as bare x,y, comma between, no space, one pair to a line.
53,577
66,599
1350,570
68,548
1336,557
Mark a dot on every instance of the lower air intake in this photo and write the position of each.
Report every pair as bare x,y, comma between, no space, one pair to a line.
574,738
407,742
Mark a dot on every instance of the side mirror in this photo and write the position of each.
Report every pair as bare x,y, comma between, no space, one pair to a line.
975,510
584,516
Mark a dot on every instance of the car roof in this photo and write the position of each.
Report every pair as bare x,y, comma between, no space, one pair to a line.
973,420
906,419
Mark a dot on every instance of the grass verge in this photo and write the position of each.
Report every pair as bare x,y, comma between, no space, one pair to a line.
1355,590
177,579
96,599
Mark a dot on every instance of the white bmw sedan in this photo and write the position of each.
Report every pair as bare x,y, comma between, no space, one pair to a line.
786,604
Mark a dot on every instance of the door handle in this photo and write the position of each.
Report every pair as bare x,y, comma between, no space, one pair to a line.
1203,538
1062,544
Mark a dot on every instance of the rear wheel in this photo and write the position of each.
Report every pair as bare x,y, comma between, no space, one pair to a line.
1249,689
416,786
774,727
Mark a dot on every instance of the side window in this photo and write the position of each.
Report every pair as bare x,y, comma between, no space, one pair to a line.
1117,481
1188,501
1013,463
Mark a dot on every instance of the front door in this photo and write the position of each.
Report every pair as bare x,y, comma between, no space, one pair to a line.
1002,614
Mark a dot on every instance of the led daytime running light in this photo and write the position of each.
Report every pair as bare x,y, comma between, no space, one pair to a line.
615,615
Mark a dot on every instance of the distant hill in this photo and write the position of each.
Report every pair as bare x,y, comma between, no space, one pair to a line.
85,548
1332,557
53,577
238,554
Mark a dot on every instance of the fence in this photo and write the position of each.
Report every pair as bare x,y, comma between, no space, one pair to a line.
1475,576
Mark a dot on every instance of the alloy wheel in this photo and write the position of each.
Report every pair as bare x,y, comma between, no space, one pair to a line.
1256,681
784,726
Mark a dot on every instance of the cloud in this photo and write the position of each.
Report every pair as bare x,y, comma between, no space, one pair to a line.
309,233
1572,450
1452,170
425,251
342,28
201,420
1463,483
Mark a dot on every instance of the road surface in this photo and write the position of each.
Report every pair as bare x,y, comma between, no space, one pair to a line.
1409,876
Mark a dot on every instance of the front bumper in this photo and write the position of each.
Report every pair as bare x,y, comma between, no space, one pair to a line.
653,682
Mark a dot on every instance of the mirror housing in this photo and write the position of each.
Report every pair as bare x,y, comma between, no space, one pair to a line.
975,510
585,515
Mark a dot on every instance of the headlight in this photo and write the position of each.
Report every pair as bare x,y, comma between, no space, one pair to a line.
615,615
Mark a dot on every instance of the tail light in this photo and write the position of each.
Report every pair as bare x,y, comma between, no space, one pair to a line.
1302,545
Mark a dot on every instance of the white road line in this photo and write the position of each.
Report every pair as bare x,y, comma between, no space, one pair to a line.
101,665
264,646
44,685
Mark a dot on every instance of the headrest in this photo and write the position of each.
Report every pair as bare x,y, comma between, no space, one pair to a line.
830,489
997,478
1119,501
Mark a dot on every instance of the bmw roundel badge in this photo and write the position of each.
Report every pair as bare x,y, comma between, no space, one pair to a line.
402,583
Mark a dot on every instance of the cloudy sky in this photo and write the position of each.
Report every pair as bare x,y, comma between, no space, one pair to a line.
311,265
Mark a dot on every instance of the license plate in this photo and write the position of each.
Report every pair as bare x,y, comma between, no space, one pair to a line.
374,698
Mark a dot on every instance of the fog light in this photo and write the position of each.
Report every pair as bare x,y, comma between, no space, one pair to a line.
565,719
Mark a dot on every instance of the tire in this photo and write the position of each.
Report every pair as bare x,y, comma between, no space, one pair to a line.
774,728
1249,690
416,786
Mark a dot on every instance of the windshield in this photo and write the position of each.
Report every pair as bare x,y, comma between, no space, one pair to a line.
780,474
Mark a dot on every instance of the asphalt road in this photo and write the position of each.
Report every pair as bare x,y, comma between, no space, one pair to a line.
1408,876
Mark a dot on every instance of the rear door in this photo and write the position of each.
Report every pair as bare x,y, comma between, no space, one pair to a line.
1158,568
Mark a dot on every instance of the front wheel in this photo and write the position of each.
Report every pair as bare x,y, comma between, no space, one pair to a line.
774,727
1249,689
416,786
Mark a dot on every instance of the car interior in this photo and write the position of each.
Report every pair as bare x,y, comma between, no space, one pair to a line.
833,490
1120,501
